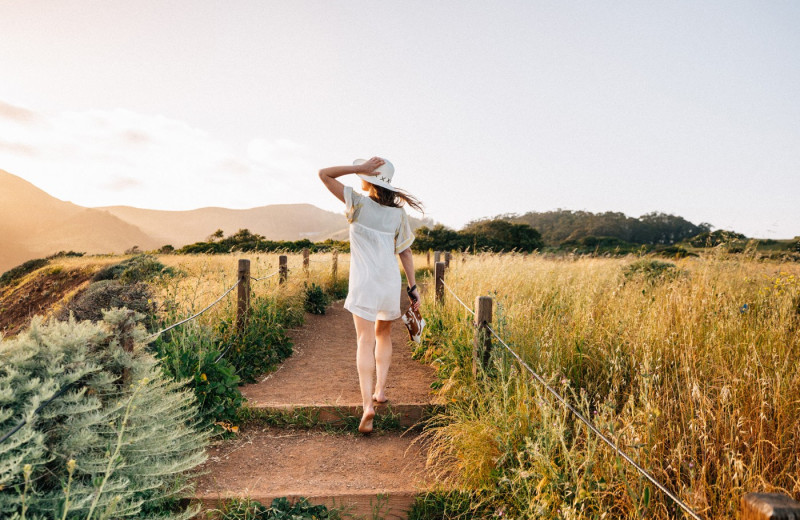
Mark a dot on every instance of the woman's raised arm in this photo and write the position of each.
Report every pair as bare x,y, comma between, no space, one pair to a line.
329,175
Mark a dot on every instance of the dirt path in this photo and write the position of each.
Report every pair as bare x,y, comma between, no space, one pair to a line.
341,469
322,370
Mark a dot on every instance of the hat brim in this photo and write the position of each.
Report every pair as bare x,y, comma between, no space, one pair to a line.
373,179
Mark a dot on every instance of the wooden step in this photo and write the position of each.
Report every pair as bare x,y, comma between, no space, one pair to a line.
349,471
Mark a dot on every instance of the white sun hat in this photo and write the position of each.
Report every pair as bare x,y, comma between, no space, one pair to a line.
384,177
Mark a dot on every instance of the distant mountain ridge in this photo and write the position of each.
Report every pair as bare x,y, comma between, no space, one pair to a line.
34,224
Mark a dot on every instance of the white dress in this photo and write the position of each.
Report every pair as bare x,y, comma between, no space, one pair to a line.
377,234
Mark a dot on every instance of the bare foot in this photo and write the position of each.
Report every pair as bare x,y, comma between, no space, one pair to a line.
366,421
379,397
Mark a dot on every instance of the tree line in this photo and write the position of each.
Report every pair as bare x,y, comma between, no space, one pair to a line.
654,228
575,231
246,241
487,235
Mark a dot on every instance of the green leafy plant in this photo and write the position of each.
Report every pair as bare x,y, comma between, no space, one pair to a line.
192,353
12,275
262,343
316,300
216,360
117,437
445,505
337,289
650,270
139,268
280,509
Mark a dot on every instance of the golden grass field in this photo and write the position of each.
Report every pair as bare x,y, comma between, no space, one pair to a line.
208,276
201,280
699,389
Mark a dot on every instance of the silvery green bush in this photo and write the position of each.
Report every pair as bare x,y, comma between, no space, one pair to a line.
117,443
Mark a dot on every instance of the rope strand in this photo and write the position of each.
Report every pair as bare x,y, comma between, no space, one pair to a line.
190,318
264,277
457,298
583,419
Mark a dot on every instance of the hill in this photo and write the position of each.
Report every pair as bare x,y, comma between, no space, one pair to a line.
34,224
276,222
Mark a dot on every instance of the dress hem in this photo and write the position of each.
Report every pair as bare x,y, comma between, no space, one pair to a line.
362,313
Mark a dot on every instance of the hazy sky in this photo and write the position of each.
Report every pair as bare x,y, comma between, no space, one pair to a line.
687,107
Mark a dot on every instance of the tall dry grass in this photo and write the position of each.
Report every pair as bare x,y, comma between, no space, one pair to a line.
203,278
693,371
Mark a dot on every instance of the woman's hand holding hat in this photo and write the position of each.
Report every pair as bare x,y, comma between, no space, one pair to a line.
371,166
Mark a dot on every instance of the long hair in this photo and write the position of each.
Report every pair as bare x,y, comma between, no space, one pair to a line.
394,199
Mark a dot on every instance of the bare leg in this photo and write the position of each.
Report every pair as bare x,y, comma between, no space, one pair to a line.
365,362
383,358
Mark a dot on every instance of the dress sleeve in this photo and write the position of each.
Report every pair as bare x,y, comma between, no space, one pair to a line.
403,237
352,204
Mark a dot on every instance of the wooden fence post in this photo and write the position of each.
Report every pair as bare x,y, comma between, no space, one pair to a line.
439,275
335,266
437,257
482,342
447,256
306,252
283,269
243,302
775,506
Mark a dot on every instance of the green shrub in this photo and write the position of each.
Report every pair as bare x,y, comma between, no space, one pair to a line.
444,506
280,509
246,241
139,268
715,238
191,352
12,275
316,300
674,252
66,254
109,294
263,342
218,359
650,270
337,289
115,444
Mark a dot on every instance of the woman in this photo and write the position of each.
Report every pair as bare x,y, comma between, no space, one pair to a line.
379,229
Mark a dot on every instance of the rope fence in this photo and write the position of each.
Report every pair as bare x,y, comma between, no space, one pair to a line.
243,305
594,429
753,506
153,336
458,299
265,277
481,322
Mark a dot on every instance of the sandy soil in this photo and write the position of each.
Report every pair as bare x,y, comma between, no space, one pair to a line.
322,370
348,470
